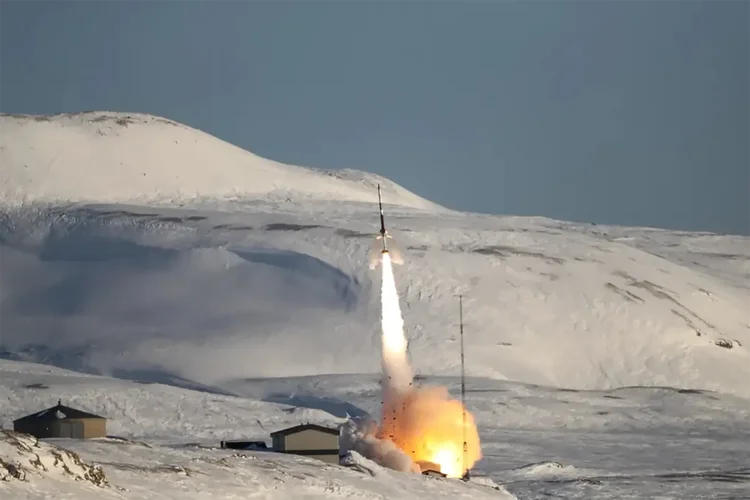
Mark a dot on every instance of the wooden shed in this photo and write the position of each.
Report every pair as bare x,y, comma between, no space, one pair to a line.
310,440
62,422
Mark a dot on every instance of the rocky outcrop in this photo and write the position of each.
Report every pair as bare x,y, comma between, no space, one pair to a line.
24,458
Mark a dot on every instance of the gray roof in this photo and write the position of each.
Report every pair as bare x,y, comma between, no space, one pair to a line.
304,427
57,412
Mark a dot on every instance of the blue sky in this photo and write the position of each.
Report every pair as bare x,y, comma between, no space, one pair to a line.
632,113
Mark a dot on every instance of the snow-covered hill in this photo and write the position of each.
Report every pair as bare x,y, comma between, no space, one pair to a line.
268,286
125,157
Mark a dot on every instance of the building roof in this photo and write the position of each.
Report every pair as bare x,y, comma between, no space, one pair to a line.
304,427
57,412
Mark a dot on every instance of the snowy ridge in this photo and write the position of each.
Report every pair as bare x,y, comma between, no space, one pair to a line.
127,157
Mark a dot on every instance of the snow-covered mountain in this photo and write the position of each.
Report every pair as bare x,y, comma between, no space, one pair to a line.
135,247
269,285
125,157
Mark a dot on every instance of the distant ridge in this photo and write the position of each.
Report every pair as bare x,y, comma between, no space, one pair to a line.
101,156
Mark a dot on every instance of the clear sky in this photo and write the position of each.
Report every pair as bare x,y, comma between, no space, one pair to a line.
621,112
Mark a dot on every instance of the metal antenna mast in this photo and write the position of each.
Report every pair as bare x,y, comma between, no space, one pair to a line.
465,476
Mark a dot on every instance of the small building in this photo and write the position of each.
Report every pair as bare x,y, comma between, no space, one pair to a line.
309,440
62,422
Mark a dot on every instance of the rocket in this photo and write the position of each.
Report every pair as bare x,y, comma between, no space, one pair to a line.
382,222
385,246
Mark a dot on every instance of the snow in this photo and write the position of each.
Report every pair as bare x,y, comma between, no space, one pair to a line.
135,471
224,296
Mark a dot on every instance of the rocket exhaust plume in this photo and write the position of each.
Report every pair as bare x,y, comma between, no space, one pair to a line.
420,428
397,372
431,429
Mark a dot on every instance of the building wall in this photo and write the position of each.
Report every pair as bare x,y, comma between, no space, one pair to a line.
92,427
68,428
310,439
39,430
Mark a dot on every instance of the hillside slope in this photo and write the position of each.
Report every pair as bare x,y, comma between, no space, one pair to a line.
220,290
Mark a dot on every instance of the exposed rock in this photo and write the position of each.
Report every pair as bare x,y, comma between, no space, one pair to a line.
24,458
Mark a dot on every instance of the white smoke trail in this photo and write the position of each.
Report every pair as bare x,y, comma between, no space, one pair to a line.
420,427
370,439
396,369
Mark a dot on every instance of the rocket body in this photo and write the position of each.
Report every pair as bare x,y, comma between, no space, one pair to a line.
382,222
385,246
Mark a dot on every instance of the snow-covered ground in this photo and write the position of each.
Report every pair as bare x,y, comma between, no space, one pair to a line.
637,442
60,469
236,291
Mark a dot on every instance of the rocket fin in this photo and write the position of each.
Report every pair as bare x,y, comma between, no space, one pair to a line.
376,252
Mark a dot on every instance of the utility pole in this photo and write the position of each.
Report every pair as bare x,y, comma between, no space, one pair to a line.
465,476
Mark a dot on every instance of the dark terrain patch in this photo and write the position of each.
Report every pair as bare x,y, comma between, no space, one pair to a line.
232,227
36,385
733,476
629,296
281,226
504,251
661,293
348,233
726,344
688,321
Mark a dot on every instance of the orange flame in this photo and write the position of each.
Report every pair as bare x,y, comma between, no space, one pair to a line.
429,427
424,423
